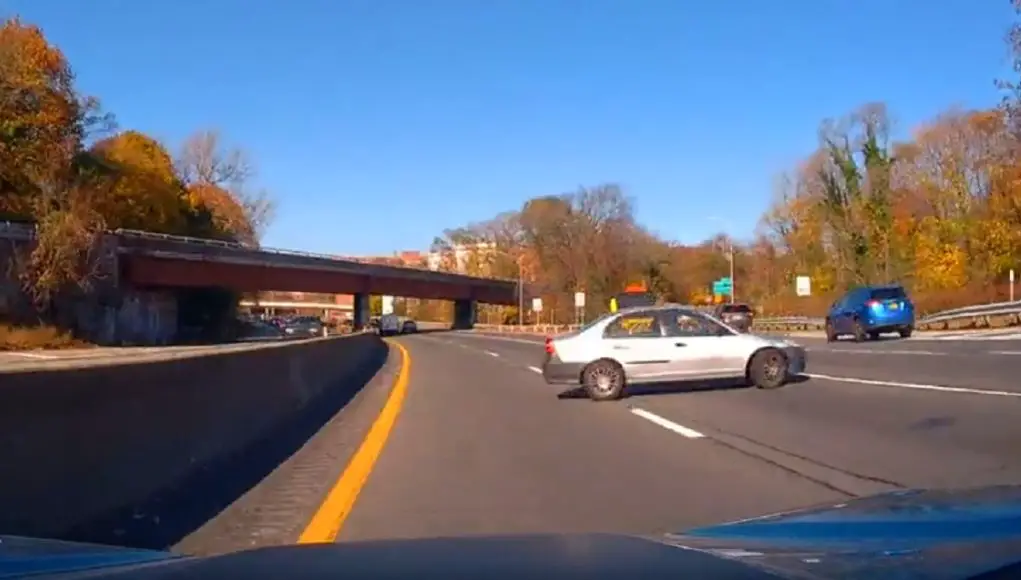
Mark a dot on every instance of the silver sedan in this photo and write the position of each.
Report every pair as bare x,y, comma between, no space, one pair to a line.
665,344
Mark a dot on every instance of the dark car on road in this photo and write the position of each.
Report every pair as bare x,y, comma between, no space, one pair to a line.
868,311
304,326
738,316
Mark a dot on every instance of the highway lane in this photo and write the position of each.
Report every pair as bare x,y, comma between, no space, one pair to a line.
484,445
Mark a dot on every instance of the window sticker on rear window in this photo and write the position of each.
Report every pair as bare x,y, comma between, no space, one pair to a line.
638,325
634,326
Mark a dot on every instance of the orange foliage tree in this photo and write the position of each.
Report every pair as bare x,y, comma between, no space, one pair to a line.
73,193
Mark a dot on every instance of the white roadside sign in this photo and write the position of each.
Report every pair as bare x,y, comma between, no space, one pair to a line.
579,300
537,304
803,286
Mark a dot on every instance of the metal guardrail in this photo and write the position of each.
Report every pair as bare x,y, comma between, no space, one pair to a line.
976,316
973,316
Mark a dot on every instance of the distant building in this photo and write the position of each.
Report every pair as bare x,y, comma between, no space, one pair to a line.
457,258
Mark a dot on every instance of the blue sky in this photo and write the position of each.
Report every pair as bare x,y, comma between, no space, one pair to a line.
378,123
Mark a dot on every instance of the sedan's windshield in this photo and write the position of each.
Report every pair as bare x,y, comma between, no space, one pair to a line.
594,321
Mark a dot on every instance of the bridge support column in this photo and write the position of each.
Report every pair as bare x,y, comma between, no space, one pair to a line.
360,311
464,314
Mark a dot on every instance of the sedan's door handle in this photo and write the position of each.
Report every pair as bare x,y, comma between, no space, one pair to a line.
679,344
619,347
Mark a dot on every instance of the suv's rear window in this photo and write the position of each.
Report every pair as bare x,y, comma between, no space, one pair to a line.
887,294
736,309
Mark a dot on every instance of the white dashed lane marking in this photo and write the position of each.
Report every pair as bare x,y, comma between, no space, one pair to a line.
917,386
667,424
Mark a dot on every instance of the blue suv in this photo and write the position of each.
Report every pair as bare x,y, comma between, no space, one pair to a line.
867,312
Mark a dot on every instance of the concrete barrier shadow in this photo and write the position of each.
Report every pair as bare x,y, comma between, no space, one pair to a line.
143,454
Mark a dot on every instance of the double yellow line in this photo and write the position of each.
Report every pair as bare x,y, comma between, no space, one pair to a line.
328,520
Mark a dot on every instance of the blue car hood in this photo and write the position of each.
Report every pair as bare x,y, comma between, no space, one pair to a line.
917,534
923,533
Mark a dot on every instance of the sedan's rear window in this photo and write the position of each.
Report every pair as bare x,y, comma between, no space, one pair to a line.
736,309
887,293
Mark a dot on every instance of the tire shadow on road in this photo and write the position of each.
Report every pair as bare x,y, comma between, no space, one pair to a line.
679,388
165,518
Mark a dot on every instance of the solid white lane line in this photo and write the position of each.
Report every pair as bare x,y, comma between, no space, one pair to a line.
667,424
1006,352
873,351
899,385
491,353
535,370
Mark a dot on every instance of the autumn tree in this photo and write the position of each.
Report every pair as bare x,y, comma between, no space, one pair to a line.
46,176
74,193
141,189
219,180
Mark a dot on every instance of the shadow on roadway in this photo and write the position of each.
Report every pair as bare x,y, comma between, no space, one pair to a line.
164,519
675,388
430,331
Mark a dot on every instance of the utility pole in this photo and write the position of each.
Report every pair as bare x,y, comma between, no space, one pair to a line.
730,244
521,293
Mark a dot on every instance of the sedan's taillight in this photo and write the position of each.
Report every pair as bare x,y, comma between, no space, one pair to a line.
549,346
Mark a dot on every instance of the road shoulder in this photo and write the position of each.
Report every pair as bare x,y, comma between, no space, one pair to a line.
277,509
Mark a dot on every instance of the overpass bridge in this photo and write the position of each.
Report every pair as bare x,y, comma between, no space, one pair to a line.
149,260
153,261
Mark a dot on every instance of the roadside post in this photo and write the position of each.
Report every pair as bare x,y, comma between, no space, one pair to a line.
579,308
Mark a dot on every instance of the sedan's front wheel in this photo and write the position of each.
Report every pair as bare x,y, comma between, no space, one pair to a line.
768,369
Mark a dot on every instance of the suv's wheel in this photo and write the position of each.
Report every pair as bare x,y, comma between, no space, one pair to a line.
831,334
905,332
859,332
768,369
603,380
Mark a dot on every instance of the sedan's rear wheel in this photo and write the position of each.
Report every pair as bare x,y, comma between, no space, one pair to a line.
603,380
768,369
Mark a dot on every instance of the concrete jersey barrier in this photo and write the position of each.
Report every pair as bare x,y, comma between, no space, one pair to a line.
79,448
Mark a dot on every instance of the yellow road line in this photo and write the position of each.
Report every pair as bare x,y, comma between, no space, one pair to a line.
325,525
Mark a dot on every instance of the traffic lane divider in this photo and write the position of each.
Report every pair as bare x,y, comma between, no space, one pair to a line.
143,454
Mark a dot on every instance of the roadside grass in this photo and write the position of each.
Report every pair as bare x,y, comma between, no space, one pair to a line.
36,338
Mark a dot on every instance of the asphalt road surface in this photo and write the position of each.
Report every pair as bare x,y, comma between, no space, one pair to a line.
484,445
